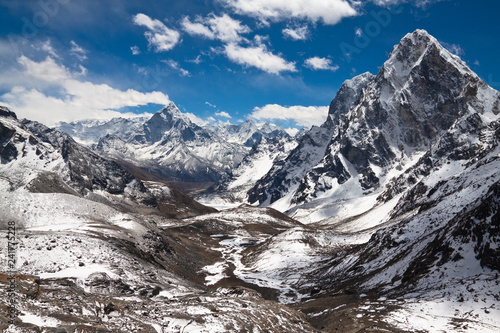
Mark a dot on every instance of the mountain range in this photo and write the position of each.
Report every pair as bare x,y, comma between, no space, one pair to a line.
170,145
384,218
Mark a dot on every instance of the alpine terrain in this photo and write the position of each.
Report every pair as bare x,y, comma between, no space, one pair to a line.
383,219
171,146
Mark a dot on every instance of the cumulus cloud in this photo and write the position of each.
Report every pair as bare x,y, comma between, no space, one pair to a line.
298,33
259,57
74,100
329,12
223,114
159,36
317,63
302,115
48,70
223,28
197,28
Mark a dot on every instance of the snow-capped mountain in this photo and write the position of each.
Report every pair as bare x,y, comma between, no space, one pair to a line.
91,244
90,131
231,191
285,175
379,127
171,145
249,133
42,160
399,189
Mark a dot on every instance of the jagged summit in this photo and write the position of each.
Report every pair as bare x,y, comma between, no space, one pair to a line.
172,110
5,112
416,49
378,124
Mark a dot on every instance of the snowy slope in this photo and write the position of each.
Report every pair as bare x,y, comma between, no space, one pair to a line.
285,176
89,253
171,145
82,264
419,97
439,257
90,131
233,190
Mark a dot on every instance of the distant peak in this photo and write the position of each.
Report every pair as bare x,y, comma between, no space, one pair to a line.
170,108
5,112
420,32
248,121
416,43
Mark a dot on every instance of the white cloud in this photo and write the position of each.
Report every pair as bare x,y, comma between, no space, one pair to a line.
299,33
223,28
223,114
330,11
477,63
258,57
159,36
454,48
47,47
47,70
317,63
197,28
418,3
135,50
75,99
78,51
197,60
197,120
359,32
302,115
175,65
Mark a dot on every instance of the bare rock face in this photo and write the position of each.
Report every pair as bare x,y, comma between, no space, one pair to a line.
422,95
286,175
87,170
5,112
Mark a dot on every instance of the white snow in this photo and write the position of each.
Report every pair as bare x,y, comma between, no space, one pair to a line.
79,272
215,272
40,321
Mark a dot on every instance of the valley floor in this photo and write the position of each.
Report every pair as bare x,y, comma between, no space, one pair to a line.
240,270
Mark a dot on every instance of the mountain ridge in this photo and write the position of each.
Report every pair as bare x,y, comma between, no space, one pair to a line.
390,122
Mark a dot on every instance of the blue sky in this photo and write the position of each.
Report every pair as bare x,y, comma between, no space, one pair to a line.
220,60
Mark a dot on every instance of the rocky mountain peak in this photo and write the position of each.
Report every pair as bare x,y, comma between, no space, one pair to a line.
163,121
5,112
419,50
171,114
170,109
348,93
377,123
